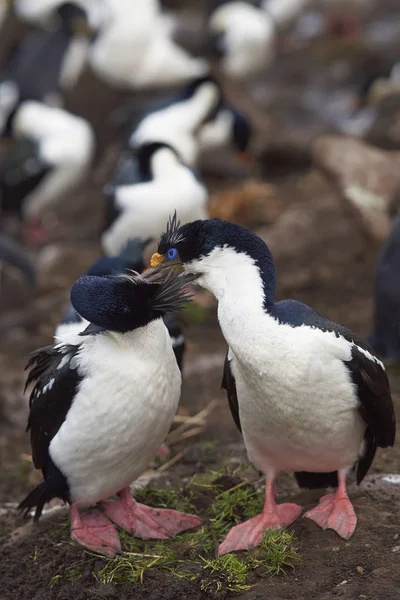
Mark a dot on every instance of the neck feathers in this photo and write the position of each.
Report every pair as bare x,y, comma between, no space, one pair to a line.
241,279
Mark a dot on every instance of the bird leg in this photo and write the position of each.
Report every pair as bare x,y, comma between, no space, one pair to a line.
35,233
335,511
146,522
163,451
249,534
94,531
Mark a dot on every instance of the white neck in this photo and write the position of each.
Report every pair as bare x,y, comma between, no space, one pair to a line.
197,107
148,339
235,280
164,164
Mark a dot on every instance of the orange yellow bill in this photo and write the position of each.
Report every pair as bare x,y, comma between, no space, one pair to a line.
156,259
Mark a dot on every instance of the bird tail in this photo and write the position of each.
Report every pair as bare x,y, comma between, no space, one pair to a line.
36,498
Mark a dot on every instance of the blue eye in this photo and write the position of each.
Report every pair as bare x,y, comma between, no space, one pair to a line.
172,253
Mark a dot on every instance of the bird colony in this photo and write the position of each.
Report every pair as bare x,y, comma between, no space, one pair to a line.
308,396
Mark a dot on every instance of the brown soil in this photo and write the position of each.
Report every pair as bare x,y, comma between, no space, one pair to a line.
322,259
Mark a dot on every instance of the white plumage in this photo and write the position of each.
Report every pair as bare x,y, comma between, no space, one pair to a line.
297,404
66,144
146,207
134,48
285,12
130,391
249,35
66,331
179,123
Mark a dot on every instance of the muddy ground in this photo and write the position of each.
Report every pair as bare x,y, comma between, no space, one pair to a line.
324,259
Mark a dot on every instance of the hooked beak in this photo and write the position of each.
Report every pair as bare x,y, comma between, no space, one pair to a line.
158,260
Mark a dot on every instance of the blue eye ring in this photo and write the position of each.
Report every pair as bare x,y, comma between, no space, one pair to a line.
172,253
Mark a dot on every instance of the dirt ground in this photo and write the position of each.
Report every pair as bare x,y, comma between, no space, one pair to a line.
324,259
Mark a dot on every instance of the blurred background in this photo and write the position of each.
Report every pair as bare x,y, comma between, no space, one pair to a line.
280,115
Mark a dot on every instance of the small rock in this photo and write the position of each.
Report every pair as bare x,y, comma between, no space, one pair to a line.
396,536
367,178
395,548
360,570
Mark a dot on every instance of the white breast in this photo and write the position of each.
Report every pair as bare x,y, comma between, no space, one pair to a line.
121,413
297,405
65,330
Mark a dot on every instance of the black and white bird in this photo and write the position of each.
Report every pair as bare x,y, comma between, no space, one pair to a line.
385,338
194,121
102,404
46,63
130,260
135,48
158,183
51,154
242,34
308,395
179,119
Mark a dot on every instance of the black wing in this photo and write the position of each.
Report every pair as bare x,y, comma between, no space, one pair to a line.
228,384
376,406
56,381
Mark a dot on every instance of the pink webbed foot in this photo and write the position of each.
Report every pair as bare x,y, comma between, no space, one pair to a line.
249,534
146,522
334,513
94,531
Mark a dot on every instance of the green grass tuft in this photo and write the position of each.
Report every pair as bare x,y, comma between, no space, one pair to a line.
197,543
54,581
275,553
132,566
233,506
180,499
226,573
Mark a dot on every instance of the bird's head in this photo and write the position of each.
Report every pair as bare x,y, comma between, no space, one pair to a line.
222,256
126,302
242,36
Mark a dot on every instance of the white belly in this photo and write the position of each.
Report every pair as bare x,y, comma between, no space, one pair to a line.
291,426
116,424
